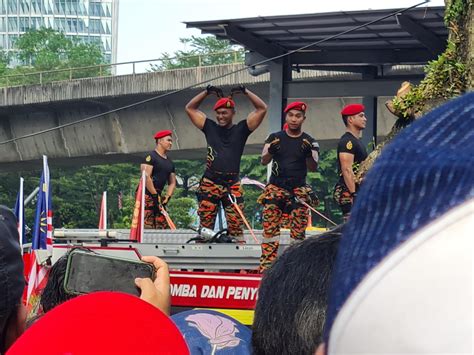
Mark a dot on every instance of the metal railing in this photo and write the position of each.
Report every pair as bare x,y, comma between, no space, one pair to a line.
100,70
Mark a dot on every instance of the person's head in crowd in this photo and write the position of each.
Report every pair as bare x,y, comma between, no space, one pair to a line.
102,323
292,298
12,281
54,293
212,332
403,276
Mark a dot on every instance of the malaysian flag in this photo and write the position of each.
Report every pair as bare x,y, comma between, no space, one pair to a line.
42,236
43,227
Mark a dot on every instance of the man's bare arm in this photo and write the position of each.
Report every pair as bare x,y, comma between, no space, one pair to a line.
346,160
149,182
171,184
255,118
312,161
198,118
266,156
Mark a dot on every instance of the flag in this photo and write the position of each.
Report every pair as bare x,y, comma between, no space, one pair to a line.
43,227
42,238
20,214
246,181
103,212
136,229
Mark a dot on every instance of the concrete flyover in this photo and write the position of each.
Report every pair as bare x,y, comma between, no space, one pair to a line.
126,135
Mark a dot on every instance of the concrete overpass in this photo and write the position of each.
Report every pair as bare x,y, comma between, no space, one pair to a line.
125,136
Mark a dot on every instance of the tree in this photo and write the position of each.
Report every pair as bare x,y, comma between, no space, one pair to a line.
46,49
199,54
448,76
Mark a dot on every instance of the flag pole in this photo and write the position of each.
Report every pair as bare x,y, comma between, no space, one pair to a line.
142,206
21,224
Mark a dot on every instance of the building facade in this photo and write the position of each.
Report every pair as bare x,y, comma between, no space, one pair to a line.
90,21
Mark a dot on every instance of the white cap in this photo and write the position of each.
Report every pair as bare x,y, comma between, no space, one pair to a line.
418,300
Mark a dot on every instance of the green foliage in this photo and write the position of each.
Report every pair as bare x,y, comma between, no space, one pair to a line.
189,171
181,211
455,9
200,54
446,77
45,50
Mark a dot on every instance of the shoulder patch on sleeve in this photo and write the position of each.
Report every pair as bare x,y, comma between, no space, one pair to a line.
349,145
148,158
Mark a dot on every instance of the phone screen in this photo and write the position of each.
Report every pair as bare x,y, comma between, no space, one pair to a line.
87,272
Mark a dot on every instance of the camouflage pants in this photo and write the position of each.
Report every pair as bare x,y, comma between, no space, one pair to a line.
152,219
277,202
343,198
210,195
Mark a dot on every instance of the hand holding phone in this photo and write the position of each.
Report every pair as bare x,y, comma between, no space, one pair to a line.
88,272
156,292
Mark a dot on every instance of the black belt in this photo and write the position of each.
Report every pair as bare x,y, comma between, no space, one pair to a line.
221,178
287,183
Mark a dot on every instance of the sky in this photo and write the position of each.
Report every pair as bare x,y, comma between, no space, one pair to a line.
148,28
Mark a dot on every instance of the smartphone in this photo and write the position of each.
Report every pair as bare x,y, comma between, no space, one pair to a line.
88,272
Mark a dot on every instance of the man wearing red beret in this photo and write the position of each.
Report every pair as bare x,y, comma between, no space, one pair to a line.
159,170
225,146
293,152
350,153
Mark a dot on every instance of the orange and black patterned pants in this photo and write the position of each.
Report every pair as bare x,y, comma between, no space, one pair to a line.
343,198
153,219
210,195
277,201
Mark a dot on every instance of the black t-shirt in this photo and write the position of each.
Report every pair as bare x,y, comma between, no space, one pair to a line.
225,146
162,168
290,160
352,145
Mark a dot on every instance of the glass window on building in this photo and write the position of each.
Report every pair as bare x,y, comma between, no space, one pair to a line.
11,40
24,7
12,8
81,26
24,24
3,27
3,41
108,9
12,24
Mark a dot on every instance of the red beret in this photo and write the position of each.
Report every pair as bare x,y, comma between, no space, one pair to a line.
352,109
102,323
298,105
224,103
161,134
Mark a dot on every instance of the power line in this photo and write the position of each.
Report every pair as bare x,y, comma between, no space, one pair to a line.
212,79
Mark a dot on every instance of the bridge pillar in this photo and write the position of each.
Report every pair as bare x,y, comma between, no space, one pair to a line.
280,73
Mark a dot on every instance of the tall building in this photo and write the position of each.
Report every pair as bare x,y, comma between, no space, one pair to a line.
92,21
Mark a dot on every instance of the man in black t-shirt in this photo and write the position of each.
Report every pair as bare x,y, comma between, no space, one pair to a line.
225,145
350,153
159,170
293,152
